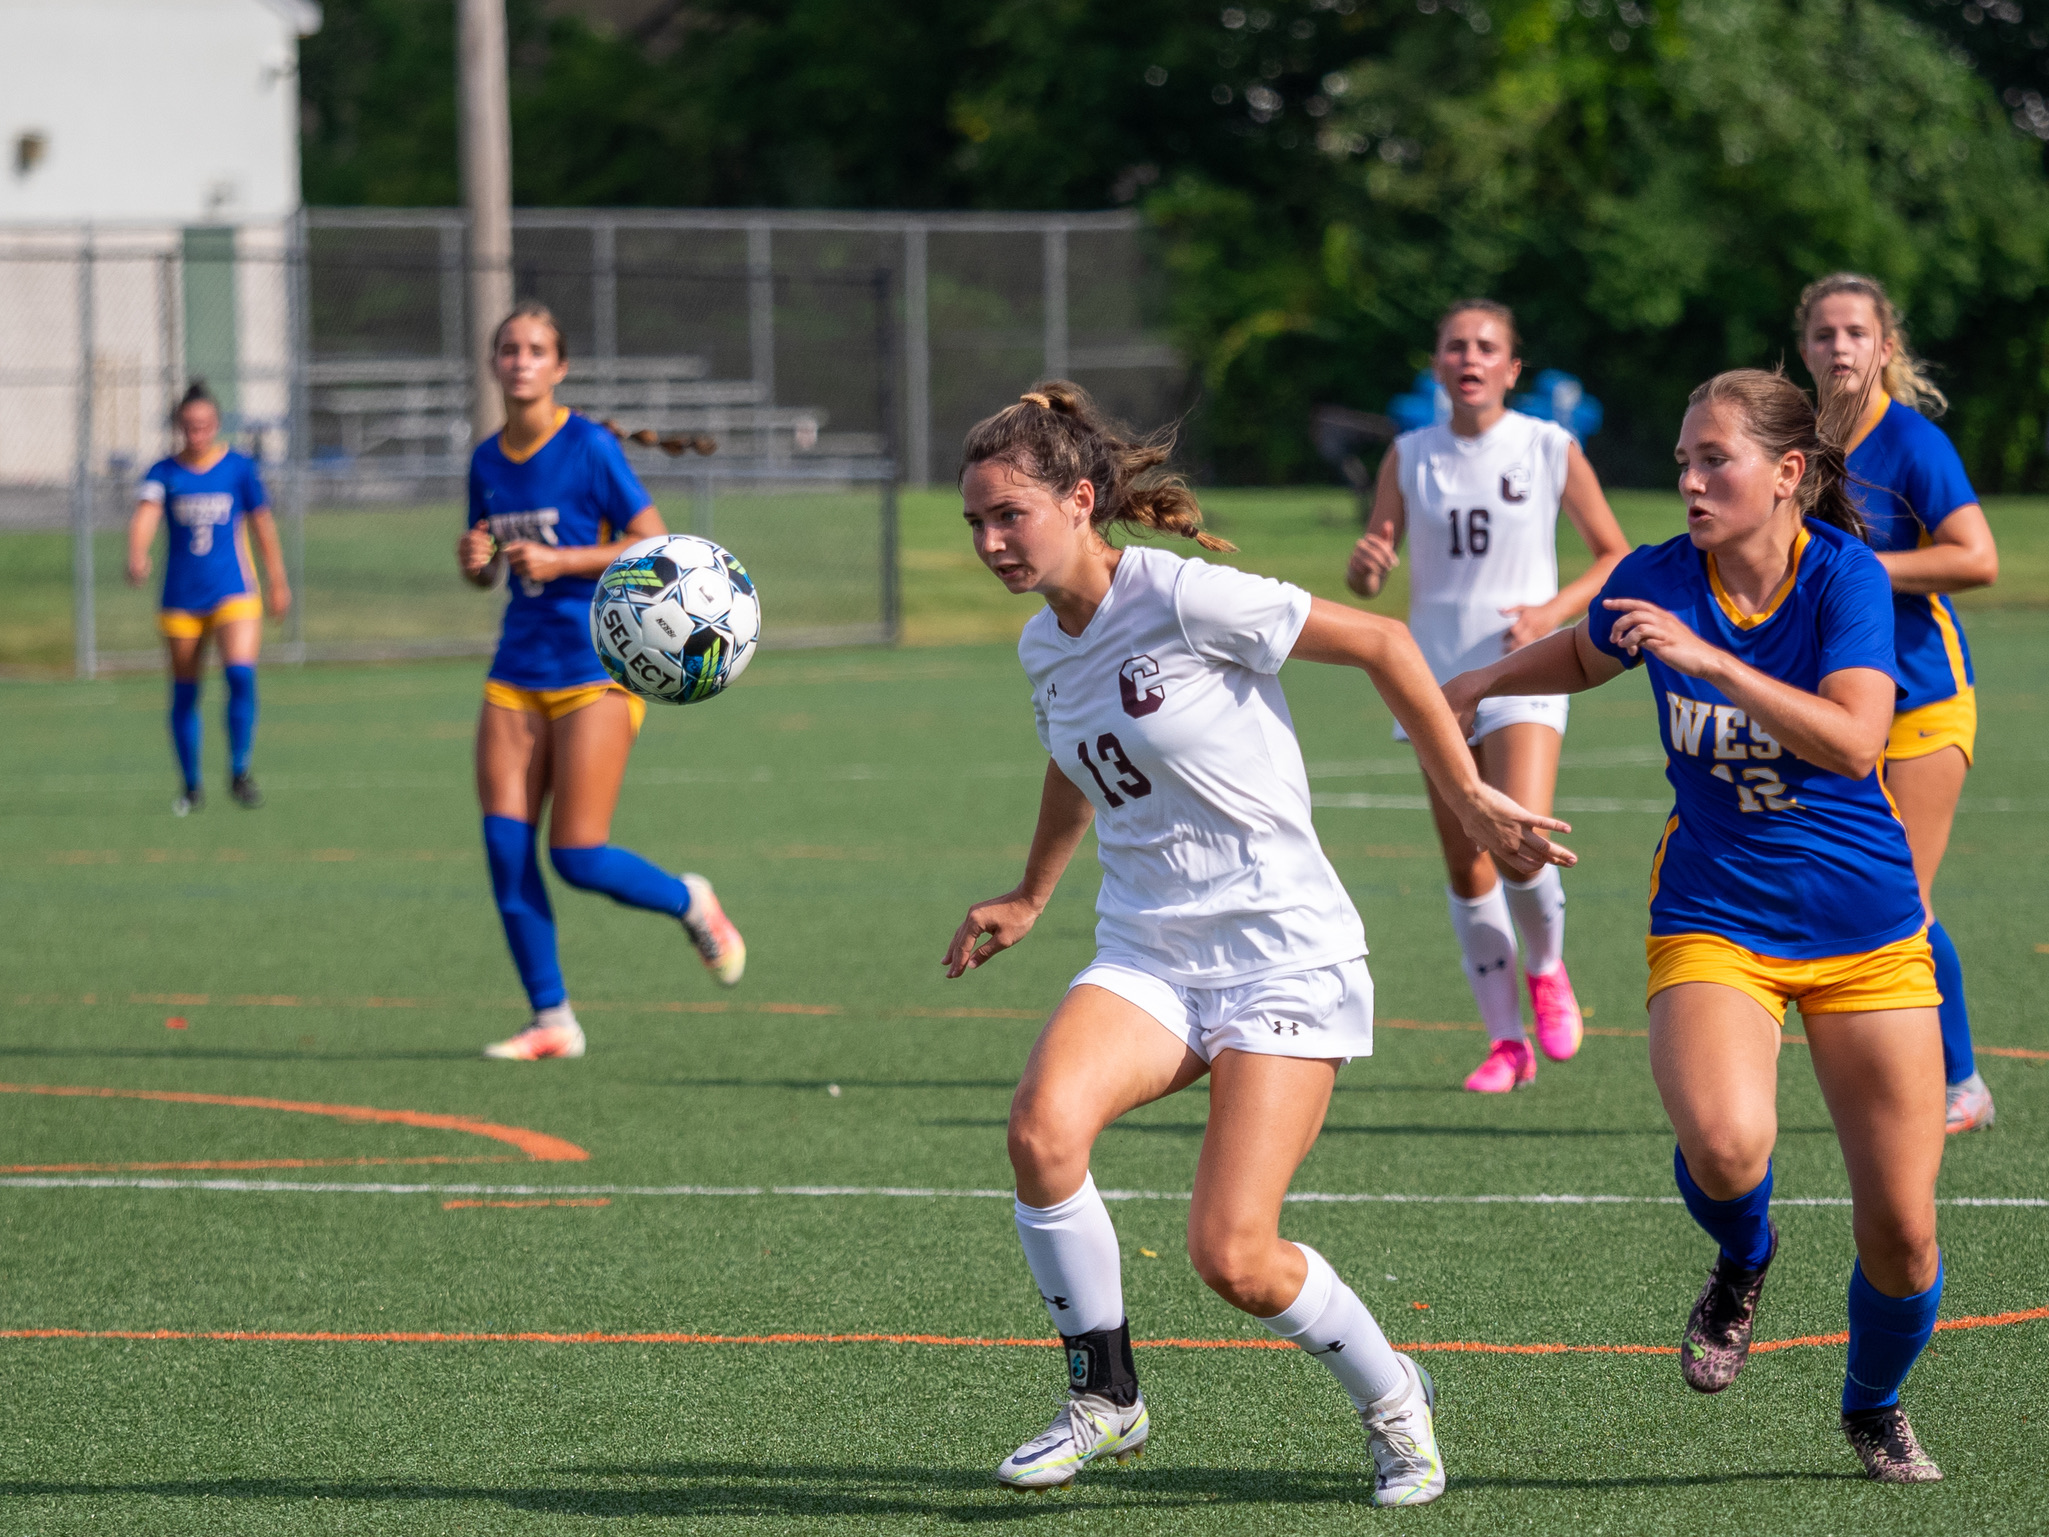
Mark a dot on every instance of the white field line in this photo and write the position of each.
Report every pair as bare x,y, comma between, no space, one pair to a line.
888,1192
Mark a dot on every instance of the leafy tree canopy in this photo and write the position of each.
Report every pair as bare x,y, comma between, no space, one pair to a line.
1650,184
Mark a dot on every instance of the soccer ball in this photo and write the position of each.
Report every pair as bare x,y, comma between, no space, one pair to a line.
675,618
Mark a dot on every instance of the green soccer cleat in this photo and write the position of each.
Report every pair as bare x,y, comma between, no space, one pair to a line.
1088,1427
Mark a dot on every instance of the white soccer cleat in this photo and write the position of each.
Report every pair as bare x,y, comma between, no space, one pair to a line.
718,943
554,1033
1088,1427
1401,1433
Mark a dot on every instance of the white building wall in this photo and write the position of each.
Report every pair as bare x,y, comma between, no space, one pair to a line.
150,111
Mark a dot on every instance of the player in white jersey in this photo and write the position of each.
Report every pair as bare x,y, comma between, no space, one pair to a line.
1478,497
1226,945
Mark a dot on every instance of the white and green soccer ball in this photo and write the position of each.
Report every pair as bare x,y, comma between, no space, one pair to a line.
675,618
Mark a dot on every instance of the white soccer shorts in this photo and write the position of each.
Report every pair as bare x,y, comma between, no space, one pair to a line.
1511,710
1327,1012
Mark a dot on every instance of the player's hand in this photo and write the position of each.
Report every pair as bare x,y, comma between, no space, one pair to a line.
473,551
1642,626
277,599
989,929
1464,698
1528,623
1510,833
1372,558
138,569
534,561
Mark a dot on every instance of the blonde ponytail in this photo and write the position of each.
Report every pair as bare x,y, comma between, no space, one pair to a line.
1059,437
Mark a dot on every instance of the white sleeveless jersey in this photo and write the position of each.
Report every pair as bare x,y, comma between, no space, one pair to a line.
1482,531
1166,713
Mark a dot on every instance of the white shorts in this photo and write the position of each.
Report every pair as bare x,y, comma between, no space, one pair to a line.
1512,710
1327,1012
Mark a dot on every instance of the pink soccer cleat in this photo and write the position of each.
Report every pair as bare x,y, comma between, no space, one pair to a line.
554,1033
1559,1027
1509,1065
718,943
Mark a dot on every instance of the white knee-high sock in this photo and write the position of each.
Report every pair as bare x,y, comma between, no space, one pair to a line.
1072,1250
1539,910
1486,942
1330,1322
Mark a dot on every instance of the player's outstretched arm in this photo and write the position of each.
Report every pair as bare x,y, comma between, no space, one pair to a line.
1842,728
1567,662
993,926
537,562
1385,651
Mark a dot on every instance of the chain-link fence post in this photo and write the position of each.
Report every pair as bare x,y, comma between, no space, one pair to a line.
1054,245
885,416
299,427
917,448
85,640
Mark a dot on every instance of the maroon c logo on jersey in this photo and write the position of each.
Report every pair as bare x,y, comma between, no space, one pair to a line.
1139,686
1515,485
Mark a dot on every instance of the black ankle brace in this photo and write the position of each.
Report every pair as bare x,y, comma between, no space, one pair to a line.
1100,1362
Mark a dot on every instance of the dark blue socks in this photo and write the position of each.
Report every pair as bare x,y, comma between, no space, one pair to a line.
185,729
1740,1226
1958,1063
623,876
241,717
1886,1335
523,908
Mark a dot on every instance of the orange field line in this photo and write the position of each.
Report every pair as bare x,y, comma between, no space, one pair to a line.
593,1337
537,1145
242,1163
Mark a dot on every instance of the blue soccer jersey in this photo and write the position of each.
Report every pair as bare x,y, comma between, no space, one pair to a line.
575,489
1762,848
1912,480
204,509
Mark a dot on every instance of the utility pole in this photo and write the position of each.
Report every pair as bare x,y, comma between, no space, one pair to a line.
487,191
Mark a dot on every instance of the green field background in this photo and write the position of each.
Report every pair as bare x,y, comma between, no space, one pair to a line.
340,947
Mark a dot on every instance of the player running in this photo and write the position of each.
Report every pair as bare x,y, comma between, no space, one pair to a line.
1923,518
215,497
551,501
1480,495
1226,945
1783,873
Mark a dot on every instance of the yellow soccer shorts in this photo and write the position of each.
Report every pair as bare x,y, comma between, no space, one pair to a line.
1951,722
1900,975
554,703
185,624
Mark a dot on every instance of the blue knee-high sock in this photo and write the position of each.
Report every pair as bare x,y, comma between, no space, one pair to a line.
1958,1061
523,908
1739,1226
1886,1335
241,716
185,729
623,876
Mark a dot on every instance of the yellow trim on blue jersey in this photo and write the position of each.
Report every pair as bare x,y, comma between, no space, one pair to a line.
554,703
561,419
1869,425
1951,722
1737,617
1658,859
1952,642
1900,975
184,624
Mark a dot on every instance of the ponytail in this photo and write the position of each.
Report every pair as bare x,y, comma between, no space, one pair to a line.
1905,378
1057,435
1780,419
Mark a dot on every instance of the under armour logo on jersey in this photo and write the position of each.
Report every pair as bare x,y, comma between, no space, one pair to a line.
1515,484
1285,1026
1054,1302
1138,683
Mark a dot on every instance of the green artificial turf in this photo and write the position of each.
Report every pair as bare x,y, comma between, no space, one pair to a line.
339,947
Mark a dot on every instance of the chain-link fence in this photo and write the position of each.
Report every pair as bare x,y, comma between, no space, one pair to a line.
828,356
